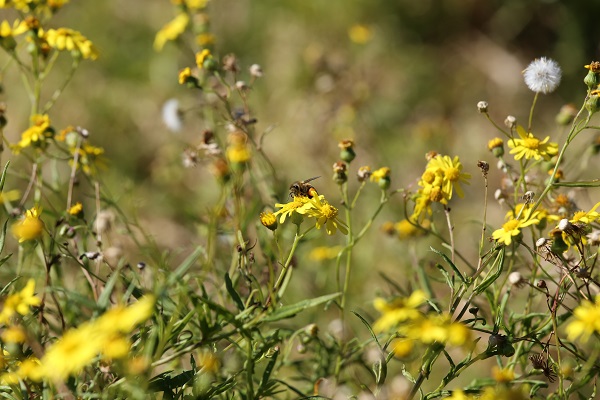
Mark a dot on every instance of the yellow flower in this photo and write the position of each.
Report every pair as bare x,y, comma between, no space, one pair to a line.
453,175
9,196
287,209
72,352
71,40
13,334
238,153
513,228
587,320
171,31
205,39
202,57
184,74
503,375
504,393
90,158
437,328
529,146
17,28
586,217
123,319
19,302
269,220
360,34
208,362
403,347
380,174
398,310
77,209
324,253
326,215
459,395
407,229
37,134
495,142
30,227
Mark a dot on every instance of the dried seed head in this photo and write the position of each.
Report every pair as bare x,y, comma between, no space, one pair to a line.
482,107
528,196
510,122
256,71
484,167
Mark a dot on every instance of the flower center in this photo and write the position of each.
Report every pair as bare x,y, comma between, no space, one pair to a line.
511,225
531,143
329,211
452,174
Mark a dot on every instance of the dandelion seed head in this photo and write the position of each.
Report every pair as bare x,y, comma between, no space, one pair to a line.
171,115
542,75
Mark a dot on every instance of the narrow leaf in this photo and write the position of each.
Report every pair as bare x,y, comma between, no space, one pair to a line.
293,309
234,295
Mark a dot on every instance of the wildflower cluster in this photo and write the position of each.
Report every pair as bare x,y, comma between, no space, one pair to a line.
442,177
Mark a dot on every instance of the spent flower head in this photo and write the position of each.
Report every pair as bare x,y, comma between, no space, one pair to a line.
542,75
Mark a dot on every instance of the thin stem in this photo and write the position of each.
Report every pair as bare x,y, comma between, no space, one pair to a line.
531,111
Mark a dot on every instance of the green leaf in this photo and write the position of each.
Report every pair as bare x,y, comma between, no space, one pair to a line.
364,321
3,177
184,267
293,309
267,373
104,298
450,263
3,236
592,183
234,295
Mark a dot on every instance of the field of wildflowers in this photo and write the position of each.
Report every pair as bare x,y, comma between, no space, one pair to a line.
282,211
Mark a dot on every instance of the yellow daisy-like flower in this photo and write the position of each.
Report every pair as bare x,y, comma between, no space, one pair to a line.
587,320
184,75
171,31
453,175
287,209
513,228
30,227
13,334
529,146
403,347
238,153
587,217
398,310
326,215
71,40
495,142
20,302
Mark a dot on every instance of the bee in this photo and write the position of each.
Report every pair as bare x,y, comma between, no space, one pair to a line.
303,188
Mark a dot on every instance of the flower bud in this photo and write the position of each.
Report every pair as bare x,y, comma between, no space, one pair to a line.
269,220
510,122
363,173
340,172
347,150
496,146
566,115
592,104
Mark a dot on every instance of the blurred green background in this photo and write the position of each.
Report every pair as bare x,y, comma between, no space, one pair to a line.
410,88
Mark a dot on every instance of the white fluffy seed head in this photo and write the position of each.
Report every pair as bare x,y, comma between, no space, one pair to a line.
171,115
540,242
542,75
515,278
564,224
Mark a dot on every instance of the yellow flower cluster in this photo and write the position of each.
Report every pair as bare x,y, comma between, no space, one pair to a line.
79,347
238,152
19,303
70,40
403,316
314,207
35,135
492,393
443,175
39,6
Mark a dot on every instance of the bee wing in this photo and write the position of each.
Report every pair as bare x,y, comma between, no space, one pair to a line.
311,179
